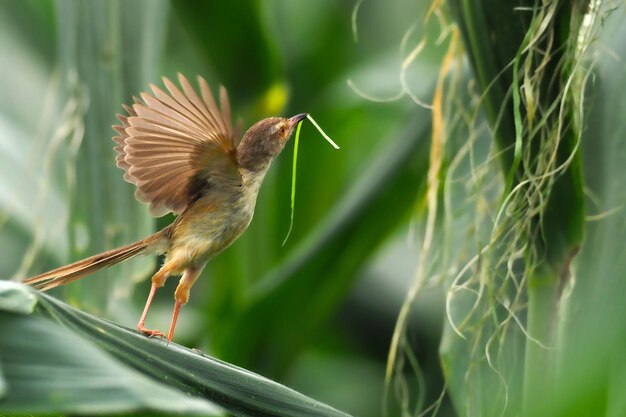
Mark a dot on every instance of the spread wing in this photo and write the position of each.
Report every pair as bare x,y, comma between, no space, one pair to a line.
173,146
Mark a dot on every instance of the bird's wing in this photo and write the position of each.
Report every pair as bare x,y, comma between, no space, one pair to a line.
173,145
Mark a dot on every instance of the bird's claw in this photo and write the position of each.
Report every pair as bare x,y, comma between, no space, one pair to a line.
151,333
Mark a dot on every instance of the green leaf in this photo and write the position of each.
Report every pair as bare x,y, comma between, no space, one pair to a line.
593,365
3,384
30,202
248,62
533,107
15,298
109,51
295,299
111,369
48,377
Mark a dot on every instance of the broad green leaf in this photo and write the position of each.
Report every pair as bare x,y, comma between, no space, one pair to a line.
532,106
15,298
593,365
109,51
3,384
46,377
32,211
246,61
110,369
493,32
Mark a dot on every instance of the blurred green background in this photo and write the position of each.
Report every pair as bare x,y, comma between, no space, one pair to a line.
318,313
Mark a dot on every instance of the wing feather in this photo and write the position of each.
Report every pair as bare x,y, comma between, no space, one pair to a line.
172,145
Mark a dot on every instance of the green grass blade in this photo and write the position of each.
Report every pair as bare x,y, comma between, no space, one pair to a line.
332,143
293,181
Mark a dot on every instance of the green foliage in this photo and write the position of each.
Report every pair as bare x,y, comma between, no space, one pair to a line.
110,369
259,305
505,352
509,183
95,40
540,220
313,271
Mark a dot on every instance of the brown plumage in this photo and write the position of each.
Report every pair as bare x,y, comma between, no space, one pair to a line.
179,150
77,270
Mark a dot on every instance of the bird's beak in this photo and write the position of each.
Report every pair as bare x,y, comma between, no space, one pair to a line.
293,121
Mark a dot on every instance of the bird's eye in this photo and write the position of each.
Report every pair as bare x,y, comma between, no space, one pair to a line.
281,131
278,130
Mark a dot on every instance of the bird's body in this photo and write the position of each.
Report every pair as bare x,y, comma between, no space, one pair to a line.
179,150
212,223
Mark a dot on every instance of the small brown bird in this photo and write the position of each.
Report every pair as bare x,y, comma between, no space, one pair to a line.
179,150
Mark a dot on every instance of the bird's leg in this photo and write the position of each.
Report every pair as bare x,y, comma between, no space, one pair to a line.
181,296
158,280
142,319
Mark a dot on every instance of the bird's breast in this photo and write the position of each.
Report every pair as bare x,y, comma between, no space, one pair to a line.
211,224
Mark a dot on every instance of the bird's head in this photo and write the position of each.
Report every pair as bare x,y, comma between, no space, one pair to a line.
264,141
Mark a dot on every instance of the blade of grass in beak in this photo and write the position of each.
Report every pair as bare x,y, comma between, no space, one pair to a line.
293,180
293,174
308,116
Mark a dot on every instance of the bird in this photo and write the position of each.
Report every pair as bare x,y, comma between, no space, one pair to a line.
179,149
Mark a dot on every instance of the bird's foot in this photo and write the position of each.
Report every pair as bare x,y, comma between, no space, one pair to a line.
150,333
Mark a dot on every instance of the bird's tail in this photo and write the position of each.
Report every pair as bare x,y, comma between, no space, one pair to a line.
87,266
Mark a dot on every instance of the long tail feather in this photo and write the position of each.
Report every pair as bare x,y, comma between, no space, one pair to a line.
87,266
